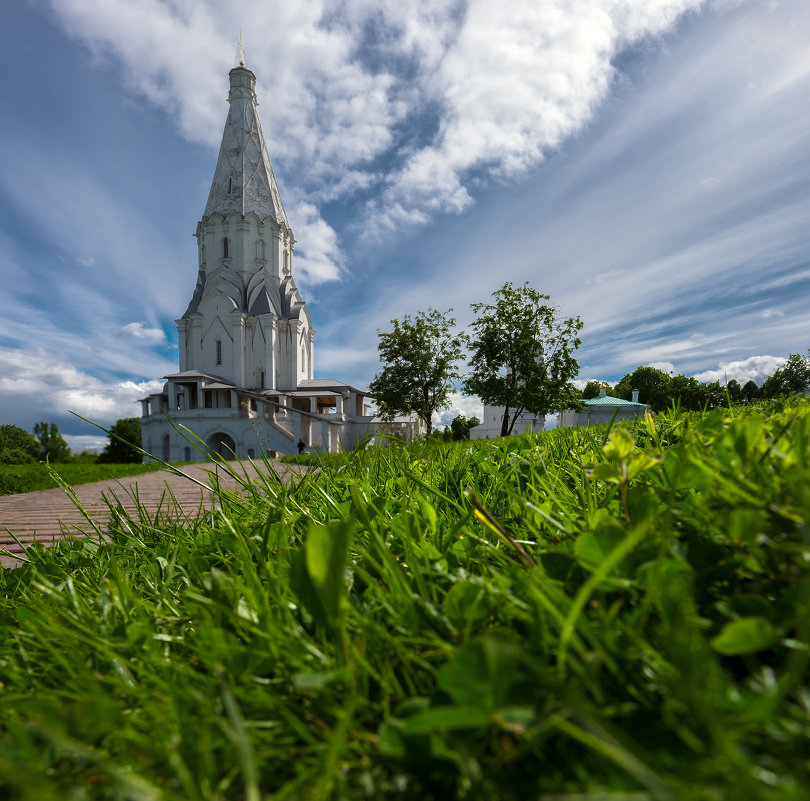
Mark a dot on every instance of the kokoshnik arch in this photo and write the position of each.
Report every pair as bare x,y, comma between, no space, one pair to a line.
246,340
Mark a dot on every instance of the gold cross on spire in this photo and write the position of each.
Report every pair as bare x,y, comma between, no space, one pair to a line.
241,51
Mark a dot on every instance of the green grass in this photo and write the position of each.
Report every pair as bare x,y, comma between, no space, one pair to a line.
319,458
30,477
556,616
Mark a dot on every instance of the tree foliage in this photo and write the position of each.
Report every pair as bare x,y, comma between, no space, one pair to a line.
523,354
51,443
750,391
460,426
686,391
654,387
660,390
791,377
591,390
419,358
692,395
735,391
125,438
17,446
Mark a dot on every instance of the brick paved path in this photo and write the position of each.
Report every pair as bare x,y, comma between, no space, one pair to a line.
49,514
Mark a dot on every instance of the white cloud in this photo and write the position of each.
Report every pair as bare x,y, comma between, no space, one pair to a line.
345,87
511,87
754,368
140,331
86,442
652,354
665,367
459,404
328,111
86,261
40,385
321,258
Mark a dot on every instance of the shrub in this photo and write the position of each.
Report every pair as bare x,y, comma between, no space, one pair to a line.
15,440
15,456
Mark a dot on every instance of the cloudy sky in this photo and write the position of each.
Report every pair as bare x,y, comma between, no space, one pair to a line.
644,162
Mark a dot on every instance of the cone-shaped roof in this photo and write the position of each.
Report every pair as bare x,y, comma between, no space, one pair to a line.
244,180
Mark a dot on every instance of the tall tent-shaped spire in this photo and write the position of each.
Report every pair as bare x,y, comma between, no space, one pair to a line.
243,180
247,322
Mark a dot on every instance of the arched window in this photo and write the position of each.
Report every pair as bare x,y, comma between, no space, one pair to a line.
225,248
261,379
230,185
219,347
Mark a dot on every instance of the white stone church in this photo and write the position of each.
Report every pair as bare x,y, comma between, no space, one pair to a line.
245,384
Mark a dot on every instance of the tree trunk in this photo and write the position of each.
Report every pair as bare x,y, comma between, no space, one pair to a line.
505,427
515,416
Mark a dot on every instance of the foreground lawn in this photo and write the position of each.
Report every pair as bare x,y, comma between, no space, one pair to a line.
553,616
30,477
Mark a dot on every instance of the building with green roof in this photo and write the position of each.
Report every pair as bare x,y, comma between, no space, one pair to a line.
602,410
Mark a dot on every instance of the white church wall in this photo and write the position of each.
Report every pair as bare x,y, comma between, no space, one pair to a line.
251,244
252,433
490,426
216,350
183,331
239,323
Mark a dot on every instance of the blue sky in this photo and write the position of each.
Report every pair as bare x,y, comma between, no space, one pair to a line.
644,162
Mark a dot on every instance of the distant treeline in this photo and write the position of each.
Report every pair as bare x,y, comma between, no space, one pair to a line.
661,390
18,446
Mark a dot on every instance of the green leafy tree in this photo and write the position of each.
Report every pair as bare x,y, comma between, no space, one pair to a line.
687,392
715,395
654,387
51,443
419,360
793,376
594,388
523,354
735,391
591,390
17,446
125,438
460,426
750,391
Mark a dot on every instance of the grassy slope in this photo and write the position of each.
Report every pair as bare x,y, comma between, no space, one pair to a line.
546,614
31,477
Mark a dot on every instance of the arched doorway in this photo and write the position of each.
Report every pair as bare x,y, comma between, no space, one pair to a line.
165,448
222,444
